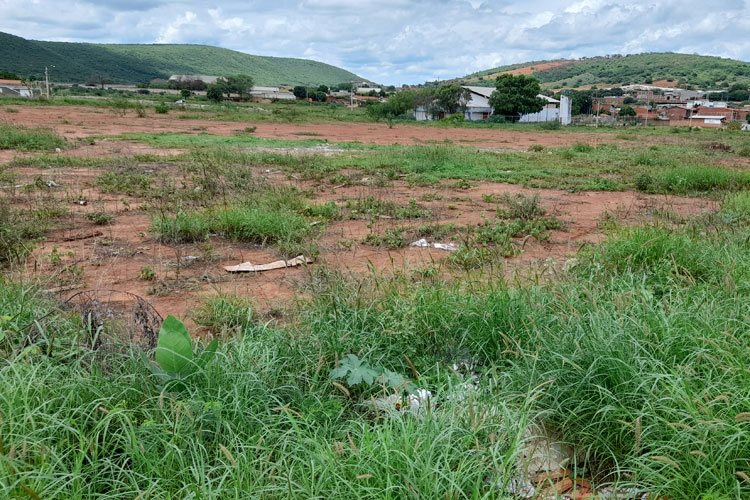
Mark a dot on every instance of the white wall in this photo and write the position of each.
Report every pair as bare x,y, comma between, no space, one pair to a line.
550,113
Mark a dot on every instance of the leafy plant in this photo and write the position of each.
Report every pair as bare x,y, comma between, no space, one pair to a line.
357,372
100,218
175,358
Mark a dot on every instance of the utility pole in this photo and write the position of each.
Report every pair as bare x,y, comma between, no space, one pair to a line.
351,97
46,79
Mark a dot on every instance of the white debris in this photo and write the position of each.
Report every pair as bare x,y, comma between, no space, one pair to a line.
440,246
414,403
58,150
247,267
52,184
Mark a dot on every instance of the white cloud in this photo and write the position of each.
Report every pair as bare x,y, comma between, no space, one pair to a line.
398,41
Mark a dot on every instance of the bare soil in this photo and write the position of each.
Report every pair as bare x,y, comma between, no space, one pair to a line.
82,122
80,254
187,274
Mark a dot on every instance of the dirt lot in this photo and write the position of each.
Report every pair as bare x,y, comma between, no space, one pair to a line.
81,122
113,255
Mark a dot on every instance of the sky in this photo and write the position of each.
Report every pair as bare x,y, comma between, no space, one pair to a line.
398,42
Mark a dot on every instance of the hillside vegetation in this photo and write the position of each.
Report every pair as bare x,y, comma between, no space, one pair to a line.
705,72
81,62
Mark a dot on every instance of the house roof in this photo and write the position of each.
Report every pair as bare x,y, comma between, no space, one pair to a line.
10,82
709,117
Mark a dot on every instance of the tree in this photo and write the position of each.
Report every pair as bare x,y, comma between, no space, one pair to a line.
237,84
323,88
451,98
185,93
215,92
516,95
300,92
629,100
627,111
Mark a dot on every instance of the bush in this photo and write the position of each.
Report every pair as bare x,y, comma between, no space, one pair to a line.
100,218
645,183
162,108
582,147
536,148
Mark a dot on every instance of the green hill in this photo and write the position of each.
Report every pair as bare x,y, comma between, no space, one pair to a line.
706,72
80,62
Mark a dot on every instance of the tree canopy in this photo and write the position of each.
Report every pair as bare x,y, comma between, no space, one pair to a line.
515,96
236,84
451,98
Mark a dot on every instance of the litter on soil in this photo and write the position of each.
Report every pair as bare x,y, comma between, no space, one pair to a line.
440,246
249,267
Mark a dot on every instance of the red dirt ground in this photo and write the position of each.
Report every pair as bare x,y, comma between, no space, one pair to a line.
115,258
80,122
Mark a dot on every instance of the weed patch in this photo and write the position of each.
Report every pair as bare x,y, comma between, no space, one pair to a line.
28,139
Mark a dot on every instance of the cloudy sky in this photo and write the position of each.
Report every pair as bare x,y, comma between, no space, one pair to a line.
399,41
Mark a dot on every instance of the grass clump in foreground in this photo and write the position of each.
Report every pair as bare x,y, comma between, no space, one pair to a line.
28,139
636,357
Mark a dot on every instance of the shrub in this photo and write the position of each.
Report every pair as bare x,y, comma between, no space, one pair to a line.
521,207
536,148
582,147
161,108
100,218
645,183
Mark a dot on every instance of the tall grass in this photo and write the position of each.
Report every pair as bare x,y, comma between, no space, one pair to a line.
637,357
28,139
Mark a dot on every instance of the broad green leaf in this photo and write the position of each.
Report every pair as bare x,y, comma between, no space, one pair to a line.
208,353
174,350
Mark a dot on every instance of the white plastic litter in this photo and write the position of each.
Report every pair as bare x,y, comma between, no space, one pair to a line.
440,246
414,403
249,267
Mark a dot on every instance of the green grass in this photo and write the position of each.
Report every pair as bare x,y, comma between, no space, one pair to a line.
28,139
637,357
271,217
691,180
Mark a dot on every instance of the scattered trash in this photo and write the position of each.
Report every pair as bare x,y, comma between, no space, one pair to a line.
83,203
52,184
440,246
58,150
248,267
148,171
414,403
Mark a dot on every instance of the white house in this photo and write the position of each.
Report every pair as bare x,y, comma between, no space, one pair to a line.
259,92
15,88
478,108
549,113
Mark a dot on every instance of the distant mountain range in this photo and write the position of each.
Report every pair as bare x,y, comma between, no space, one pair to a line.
659,68
82,62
